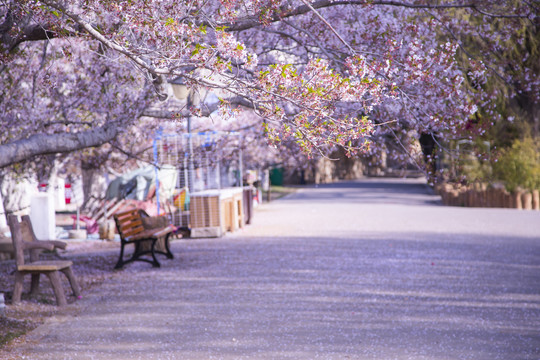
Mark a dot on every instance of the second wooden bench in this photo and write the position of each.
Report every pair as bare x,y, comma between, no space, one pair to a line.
132,230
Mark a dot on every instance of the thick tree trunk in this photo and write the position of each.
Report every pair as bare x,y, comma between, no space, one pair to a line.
15,194
93,183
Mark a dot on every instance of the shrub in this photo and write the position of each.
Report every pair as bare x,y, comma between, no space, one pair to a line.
519,165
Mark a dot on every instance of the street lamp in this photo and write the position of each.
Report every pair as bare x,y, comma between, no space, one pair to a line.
180,89
182,92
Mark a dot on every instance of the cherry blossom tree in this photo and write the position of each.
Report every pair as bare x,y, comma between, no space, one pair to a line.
322,73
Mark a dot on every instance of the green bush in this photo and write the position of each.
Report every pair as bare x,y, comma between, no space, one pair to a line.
519,165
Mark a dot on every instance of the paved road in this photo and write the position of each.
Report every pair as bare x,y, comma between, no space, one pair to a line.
372,269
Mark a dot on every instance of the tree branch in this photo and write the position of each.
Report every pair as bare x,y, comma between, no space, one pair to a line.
110,44
254,21
184,112
43,144
30,31
329,26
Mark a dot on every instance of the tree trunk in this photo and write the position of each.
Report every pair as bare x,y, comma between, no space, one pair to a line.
43,144
92,183
16,193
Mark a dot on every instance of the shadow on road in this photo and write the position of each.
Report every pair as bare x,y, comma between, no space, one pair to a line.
303,298
373,191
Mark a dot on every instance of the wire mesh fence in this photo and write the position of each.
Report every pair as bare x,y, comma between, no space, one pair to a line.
207,172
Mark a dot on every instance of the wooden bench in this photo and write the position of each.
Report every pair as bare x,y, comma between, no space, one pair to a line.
23,238
131,229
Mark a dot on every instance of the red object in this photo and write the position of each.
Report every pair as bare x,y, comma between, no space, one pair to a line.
68,193
92,226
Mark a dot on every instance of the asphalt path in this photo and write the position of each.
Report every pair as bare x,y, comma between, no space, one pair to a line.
367,269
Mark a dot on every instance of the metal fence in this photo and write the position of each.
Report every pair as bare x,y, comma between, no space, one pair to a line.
203,161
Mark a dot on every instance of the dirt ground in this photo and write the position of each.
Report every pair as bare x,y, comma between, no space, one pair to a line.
93,262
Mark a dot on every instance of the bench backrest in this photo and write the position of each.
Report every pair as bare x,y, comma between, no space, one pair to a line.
17,238
128,223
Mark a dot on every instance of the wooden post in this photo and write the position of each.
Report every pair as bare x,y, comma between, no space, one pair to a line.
469,197
536,200
507,203
526,200
483,195
516,200
490,197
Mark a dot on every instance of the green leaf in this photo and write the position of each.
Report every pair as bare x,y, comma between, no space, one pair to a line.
197,49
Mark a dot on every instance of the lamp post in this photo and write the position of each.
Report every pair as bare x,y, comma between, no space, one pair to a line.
182,92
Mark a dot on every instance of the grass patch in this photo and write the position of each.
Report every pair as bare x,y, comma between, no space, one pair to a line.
11,329
277,192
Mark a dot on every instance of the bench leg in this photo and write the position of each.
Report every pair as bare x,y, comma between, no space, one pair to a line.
167,249
137,253
162,246
72,281
35,284
140,250
57,287
155,263
18,288
120,261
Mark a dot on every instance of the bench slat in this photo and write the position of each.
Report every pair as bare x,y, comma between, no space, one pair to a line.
129,217
130,234
167,230
131,224
127,212
45,265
